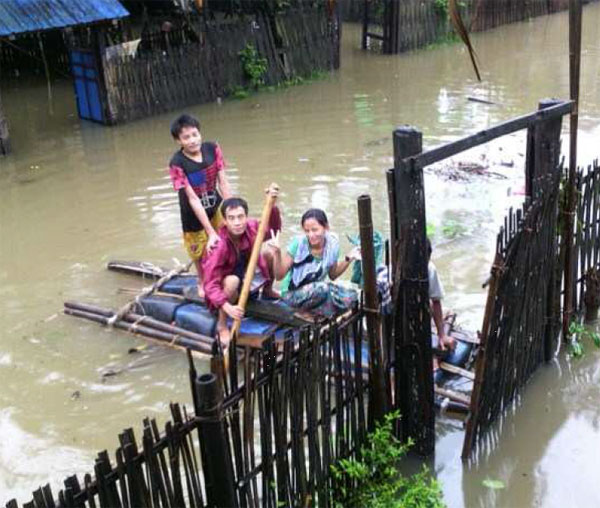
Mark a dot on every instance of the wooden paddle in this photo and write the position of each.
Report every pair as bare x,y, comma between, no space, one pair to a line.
252,262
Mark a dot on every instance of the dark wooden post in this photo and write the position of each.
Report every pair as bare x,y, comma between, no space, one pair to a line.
4,142
543,154
391,188
591,297
569,216
390,27
378,397
365,25
99,47
543,147
414,379
216,455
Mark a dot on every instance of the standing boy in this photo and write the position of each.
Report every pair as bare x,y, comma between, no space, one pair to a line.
225,266
197,171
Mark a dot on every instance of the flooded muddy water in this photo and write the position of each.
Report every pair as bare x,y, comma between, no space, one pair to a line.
74,195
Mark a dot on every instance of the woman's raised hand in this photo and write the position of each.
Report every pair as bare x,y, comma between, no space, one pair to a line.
354,254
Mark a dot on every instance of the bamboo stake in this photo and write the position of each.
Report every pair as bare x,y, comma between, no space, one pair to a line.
574,77
378,399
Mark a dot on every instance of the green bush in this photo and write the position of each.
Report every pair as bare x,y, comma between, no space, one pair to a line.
374,480
254,65
579,333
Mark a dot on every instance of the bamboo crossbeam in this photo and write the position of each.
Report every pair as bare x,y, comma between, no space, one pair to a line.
523,122
453,369
452,395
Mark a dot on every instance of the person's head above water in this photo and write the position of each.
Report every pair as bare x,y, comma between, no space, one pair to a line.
315,225
185,130
235,215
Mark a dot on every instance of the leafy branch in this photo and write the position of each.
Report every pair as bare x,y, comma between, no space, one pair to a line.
374,481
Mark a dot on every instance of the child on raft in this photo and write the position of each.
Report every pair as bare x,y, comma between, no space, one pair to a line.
197,172
310,264
225,266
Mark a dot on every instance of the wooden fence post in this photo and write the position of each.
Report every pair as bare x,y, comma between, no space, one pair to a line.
543,154
216,456
4,142
378,398
365,24
412,326
543,147
391,188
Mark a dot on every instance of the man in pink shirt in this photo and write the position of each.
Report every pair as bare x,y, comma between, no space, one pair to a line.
225,266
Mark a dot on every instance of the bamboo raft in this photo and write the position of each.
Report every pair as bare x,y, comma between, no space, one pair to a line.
171,314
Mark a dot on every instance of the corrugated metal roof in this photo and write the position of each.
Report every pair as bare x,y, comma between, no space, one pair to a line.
19,16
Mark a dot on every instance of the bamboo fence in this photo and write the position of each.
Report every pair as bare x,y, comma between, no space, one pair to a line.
403,25
296,44
520,306
587,236
492,13
289,412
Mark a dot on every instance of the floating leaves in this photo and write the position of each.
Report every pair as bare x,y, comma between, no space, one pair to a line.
493,484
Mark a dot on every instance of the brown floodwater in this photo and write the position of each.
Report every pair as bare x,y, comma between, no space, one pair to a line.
74,195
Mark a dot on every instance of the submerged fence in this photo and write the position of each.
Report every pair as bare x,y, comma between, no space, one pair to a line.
522,318
402,25
290,411
521,322
488,14
587,238
295,44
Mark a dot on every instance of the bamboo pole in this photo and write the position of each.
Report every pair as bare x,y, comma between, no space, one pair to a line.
46,72
252,262
574,78
378,399
142,325
480,363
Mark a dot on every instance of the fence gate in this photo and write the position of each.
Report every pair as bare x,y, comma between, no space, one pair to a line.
87,81
380,15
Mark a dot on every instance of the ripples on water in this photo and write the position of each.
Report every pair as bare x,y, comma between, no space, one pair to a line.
74,195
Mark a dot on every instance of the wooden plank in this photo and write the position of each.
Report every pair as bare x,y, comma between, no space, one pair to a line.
453,369
437,154
452,395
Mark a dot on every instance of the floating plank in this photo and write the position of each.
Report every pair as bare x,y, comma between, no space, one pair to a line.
452,395
137,268
453,369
